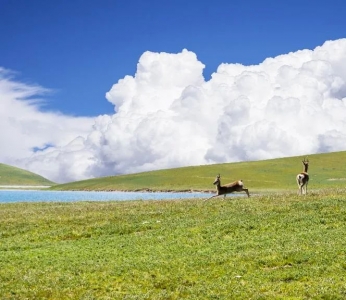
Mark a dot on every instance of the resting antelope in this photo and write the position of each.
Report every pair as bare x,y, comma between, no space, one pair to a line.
236,186
303,178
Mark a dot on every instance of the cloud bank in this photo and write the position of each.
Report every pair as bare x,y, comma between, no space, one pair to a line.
167,115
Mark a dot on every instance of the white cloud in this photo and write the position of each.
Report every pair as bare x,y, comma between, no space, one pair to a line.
167,115
25,127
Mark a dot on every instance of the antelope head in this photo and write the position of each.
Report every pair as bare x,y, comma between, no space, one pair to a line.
217,179
305,164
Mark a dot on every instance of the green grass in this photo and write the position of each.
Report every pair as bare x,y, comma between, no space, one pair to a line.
277,246
326,170
10,175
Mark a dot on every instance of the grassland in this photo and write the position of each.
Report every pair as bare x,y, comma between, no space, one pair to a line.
326,170
277,246
10,175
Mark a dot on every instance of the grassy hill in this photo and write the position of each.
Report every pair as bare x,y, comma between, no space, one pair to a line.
326,170
15,176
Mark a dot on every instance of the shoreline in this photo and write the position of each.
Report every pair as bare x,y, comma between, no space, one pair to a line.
19,187
146,190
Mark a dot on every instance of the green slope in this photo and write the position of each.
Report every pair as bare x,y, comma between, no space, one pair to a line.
15,176
326,170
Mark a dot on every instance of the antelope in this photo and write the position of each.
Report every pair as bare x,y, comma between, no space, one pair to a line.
236,186
303,178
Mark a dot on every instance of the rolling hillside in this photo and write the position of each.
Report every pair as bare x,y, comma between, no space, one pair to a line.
326,170
13,176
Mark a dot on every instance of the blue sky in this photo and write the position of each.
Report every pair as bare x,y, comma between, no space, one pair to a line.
79,49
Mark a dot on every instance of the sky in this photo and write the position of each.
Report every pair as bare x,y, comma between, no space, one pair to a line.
97,88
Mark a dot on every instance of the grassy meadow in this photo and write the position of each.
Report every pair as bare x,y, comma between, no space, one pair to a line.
275,245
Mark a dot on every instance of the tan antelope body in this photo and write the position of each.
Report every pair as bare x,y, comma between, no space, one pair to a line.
303,178
236,186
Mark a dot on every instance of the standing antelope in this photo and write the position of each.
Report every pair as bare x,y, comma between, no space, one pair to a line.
303,178
236,186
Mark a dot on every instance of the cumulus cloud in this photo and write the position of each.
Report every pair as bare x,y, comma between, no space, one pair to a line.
167,115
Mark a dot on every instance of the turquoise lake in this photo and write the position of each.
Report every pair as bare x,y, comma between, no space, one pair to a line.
10,196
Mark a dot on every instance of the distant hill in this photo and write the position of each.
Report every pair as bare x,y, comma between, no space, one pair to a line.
326,170
13,176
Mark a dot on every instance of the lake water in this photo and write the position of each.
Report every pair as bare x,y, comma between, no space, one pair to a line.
8,196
